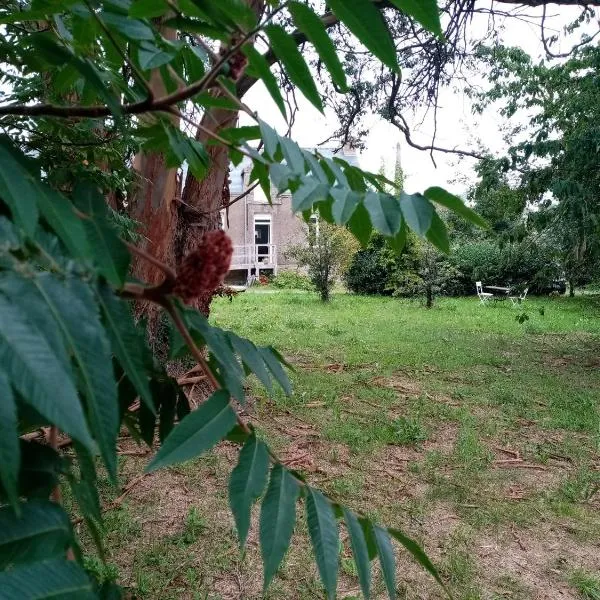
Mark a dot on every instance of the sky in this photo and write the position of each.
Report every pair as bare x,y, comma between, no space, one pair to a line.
456,125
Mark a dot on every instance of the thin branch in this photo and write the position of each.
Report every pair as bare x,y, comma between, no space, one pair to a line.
208,132
243,194
237,101
169,273
402,125
545,42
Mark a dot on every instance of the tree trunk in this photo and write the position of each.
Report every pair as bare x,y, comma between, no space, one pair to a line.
429,291
571,288
154,201
174,225
202,200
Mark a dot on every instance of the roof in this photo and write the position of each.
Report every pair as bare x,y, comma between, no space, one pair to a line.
236,173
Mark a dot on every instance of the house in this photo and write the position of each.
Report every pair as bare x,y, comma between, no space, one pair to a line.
262,231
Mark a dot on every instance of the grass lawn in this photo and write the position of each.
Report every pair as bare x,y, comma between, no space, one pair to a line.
476,434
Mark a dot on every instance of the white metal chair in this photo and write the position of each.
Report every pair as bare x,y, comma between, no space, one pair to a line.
484,297
517,300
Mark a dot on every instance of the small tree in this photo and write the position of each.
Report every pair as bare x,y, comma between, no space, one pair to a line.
327,254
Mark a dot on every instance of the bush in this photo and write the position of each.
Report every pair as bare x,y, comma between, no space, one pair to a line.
291,280
372,270
526,263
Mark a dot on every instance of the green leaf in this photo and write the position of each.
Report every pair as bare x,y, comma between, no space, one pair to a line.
424,11
16,287
58,212
48,579
127,341
287,52
360,225
219,345
322,528
252,358
365,21
10,452
132,29
309,192
259,68
71,304
398,242
37,374
417,211
247,483
360,551
386,559
147,9
95,79
417,553
18,188
455,204
43,530
385,213
274,361
292,155
40,467
109,251
187,149
312,26
437,233
270,138
151,56
198,432
277,519
345,202
9,235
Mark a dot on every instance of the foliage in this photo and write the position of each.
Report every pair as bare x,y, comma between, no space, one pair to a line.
73,359
553,159
326,253
291,280
371,269
524,264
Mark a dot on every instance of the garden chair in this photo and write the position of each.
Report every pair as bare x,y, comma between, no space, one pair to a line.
517,300
483,296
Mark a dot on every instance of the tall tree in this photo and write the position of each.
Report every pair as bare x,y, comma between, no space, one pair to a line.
553,156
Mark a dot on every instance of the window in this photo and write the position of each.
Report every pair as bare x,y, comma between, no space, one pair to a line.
262,237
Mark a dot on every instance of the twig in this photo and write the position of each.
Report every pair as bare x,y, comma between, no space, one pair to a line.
169,273
518,465
518,540
55,495
191,380
514,453
118,501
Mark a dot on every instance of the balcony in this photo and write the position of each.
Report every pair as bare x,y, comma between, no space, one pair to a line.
258,256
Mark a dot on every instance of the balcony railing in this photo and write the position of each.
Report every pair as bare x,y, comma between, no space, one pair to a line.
254,255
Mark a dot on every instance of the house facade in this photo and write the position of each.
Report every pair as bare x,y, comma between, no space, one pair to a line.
262,231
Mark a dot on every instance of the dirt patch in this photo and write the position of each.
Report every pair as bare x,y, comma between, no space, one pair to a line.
540,559
398,383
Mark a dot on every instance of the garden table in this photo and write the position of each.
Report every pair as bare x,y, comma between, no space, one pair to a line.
499,288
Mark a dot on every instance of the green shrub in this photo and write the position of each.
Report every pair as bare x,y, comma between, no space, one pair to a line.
292,280
527,263
371,270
